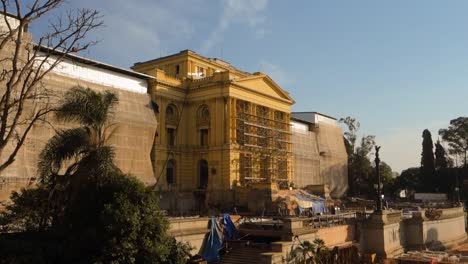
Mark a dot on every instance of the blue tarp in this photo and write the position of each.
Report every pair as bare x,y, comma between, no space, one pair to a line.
213,242
308,201
214,239
230,231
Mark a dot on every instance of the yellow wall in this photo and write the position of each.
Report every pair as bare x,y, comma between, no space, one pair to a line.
218,90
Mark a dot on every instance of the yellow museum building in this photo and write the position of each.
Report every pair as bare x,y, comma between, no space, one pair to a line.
222,131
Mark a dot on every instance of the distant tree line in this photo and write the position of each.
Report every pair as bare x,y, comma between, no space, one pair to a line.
443,164
443,168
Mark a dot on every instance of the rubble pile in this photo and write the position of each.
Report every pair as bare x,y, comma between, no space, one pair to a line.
432,257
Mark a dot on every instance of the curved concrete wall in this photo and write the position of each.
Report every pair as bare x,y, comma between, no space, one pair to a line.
133,138
447,231
320,157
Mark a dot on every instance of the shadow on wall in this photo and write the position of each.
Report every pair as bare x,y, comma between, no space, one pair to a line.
432,242
336,176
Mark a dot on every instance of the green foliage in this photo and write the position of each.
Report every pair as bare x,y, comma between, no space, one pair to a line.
427,162
72,150
351,135
386,178
115,220
386,173
85,210
90,109
456,136
359,166
76,155
442,161
427,154
410,179
27,211
309,252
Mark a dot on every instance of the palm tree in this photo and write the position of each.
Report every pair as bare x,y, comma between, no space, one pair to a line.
315,252
321,251
76,153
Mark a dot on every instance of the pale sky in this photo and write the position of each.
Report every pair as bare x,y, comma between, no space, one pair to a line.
397,66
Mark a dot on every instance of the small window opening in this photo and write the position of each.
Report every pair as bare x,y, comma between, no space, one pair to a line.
170,136
204,137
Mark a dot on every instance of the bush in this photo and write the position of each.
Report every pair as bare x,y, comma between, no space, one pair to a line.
111,219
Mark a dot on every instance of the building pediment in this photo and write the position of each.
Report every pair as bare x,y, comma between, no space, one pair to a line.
263,84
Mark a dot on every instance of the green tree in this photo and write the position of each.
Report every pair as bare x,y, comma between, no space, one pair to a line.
456,136
85,209
387,179
310,252
386,173
72,150
351,135
359,165
442,161
427,161
74,155
409,179
115,219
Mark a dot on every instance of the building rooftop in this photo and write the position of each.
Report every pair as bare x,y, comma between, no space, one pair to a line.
94,63
81,59
216,61
308,117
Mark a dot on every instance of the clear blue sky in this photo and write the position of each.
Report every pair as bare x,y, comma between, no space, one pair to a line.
397,66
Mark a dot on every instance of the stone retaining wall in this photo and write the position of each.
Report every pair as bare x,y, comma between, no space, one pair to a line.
444,232
191,230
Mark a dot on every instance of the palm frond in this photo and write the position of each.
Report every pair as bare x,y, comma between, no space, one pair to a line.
110,100
96,163
65,145
99,161
86,106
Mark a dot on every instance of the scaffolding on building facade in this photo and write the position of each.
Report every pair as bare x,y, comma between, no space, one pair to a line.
264,139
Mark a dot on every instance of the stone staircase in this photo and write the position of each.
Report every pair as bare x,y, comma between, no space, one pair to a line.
242,254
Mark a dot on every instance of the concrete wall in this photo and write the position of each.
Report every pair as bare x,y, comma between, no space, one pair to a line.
332,236
133,118
306,157
445,232
382,233
333,159
320,156
337,235
190,230
387,235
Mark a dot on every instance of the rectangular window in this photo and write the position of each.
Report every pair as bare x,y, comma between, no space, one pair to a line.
170,136
200,71
204,137
177,69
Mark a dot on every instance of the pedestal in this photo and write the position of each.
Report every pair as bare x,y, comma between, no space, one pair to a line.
382,234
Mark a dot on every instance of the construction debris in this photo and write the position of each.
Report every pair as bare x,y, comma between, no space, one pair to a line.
431,257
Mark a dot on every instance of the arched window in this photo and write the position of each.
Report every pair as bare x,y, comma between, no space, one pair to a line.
171,123
170,172
203,122
171,113
203,115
